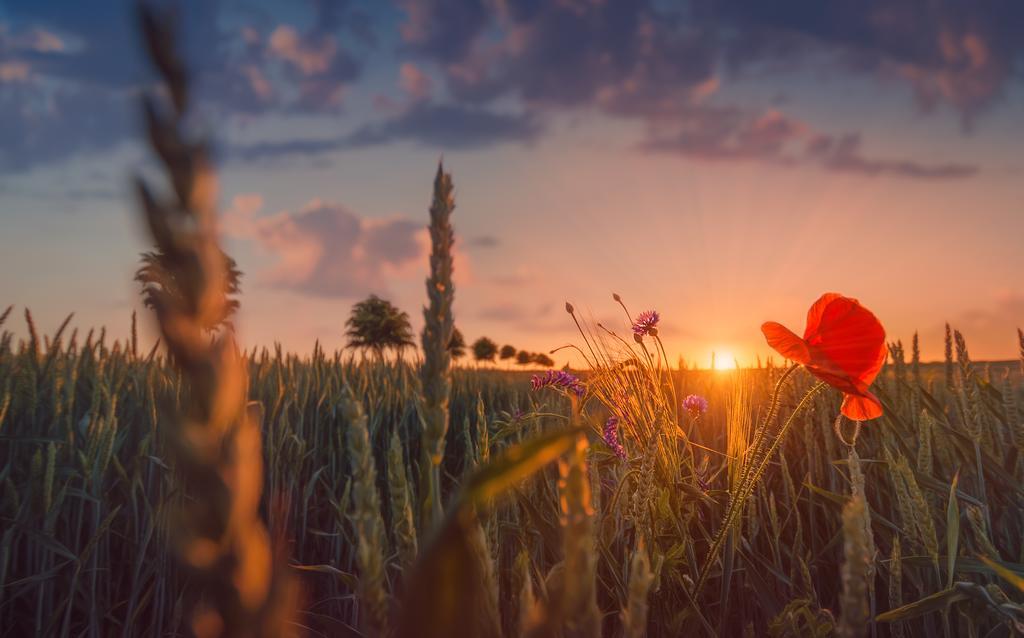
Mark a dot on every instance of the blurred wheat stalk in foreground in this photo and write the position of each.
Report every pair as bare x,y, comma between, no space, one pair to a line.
217,529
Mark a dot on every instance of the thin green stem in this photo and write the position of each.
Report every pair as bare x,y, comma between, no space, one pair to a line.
671,380
754,469
583,334
763,427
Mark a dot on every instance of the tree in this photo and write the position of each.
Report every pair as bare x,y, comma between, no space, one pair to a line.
376,325
156,274
457,344
507,352
542,359
524,358
484,349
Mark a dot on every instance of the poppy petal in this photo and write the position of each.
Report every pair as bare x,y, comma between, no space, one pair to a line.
851,339
817,310
835,378
785,342
861,408
876,367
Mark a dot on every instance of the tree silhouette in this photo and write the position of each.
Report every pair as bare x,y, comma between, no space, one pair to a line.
542,359
155,273
376,325
457,344
484,349
524,358
507,352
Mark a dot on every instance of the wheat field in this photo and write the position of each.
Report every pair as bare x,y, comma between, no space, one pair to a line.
205,488
87,483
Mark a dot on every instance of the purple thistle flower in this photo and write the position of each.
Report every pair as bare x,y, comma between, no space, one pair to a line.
696,405
558,379
611,437
646,324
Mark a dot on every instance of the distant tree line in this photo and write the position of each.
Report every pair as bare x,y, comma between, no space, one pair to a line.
374,325
377,326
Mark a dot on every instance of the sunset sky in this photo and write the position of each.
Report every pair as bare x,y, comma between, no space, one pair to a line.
724,162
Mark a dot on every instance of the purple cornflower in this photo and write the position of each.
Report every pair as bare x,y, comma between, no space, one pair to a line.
646,324
696,405
611,437
558,379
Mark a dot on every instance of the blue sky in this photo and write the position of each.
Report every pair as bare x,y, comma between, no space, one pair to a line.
723,161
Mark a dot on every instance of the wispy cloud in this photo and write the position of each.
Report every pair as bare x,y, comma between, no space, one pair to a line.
476,73
729,134
70,73
325,249
663,64
843,154
438,126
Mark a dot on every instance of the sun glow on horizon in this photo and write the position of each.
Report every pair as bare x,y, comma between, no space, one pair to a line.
723,360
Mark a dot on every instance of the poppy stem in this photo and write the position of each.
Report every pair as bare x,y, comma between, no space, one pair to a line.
755,466
838,426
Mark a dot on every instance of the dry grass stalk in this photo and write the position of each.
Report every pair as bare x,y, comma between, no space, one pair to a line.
896,584
926,432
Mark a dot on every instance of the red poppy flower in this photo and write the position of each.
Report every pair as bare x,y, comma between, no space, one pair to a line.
843,345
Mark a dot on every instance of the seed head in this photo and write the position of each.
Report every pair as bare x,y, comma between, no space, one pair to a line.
560,379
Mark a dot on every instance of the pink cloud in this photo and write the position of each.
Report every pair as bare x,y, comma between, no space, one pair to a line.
301,52
14,72
45,42
258,81
325,249
415,82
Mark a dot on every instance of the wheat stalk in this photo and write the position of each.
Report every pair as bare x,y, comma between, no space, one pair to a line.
403,528
857,563
435,372
366,519
527,614
634,616
761,450
577,595
219,535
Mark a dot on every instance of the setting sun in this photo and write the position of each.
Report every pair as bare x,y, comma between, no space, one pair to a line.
723,360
